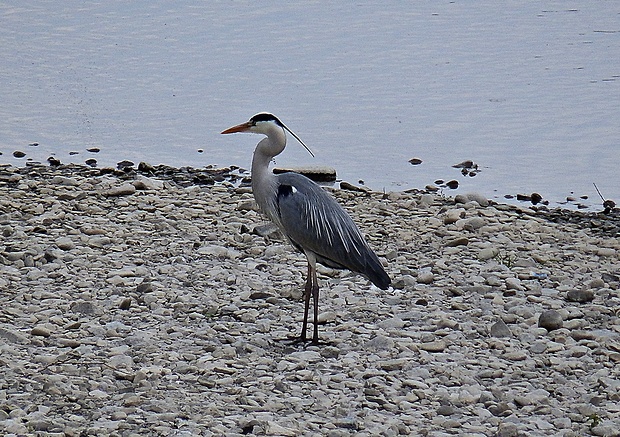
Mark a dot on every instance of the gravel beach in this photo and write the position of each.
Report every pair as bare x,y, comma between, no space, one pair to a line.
156,302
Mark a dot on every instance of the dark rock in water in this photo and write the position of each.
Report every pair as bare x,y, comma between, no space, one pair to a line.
19,154
535,198
524,197
107,170
581,296
204,179
466,164
468,168
439,182
94,150
74,153
550,320
125,165
453,184
91,162
54,162
35,144
415,161
200,151
317,174
344,185
145,167
608,205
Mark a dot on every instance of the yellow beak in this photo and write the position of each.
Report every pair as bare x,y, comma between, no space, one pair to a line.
243,127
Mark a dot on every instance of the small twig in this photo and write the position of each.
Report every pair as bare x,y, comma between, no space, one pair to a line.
599,193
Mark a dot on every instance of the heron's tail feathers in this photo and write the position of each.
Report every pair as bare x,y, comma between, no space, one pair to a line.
375,272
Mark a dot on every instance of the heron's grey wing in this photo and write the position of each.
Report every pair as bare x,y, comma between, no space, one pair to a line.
314,221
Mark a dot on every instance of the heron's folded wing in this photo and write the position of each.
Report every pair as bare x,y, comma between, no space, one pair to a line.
314,221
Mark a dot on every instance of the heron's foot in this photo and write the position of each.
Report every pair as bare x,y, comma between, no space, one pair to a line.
298,339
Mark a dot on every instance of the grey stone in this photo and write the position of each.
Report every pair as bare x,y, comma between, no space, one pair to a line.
500,329
478,198
550,320
581,296
514,284
65,243
121,190
40,331
433,346
425,277
487,253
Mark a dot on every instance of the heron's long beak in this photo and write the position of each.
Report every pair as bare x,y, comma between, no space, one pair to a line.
238,128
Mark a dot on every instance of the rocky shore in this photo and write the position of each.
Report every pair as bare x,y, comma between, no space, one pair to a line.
151,301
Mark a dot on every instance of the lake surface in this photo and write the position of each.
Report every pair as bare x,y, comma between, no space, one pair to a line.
530,91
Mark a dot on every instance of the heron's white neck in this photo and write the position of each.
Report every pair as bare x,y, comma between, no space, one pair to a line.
264,182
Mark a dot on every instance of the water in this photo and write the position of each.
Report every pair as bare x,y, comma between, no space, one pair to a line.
530,91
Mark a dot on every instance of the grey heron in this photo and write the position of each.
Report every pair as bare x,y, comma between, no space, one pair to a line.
309,217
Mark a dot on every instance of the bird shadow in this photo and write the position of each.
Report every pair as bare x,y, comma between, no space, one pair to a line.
296,342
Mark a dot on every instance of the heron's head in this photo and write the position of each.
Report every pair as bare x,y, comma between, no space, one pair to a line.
263,123
259,123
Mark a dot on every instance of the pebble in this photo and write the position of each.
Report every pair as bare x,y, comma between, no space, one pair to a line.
471,224
433,346
121,190
550,320
40,331
606,252
65,243
478,198
459,241
425,277
162,310
488,253
500,329
581,296
453,215
514,284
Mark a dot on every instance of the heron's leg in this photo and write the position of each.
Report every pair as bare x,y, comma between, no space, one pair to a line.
315,302
307,291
